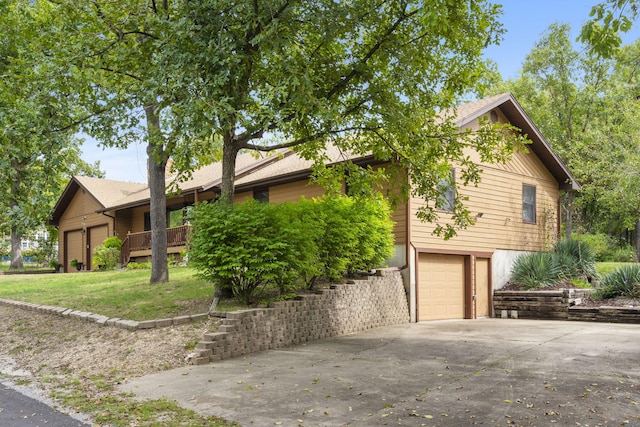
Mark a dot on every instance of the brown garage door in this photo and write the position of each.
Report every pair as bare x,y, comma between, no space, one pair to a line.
482,287
96,238
441,287
72,248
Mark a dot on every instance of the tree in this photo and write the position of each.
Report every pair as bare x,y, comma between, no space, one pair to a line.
38,149
608,19
585,105
115,51
368,77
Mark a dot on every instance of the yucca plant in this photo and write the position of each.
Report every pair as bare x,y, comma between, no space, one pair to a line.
622,282
576,258
536,270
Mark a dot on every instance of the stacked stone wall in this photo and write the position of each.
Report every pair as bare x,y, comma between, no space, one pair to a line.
358,305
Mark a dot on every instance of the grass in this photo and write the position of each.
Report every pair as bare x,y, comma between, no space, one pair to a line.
125,294
607,267
96,395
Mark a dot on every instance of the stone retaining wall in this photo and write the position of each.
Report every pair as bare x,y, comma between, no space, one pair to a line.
341,309
605,314
537,304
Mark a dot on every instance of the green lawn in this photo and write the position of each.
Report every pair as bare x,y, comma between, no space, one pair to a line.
607,267
125,294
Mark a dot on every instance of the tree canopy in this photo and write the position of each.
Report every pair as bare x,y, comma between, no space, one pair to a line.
586,106
39,151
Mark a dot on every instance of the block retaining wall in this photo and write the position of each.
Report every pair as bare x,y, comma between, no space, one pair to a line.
341,309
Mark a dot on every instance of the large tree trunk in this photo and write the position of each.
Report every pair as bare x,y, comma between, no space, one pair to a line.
156,164
16,249
229,154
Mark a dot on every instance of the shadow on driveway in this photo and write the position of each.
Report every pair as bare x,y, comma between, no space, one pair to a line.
446,373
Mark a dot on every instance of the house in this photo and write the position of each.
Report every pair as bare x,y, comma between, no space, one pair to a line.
516,207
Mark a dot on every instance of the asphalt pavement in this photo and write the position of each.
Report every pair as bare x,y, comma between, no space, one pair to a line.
20,410
505,372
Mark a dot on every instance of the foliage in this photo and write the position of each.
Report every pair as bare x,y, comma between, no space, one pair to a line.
241,248
139,266
582,105
570,260
107,255
372,78
622,282
249,247
536,270
607,20
605,248
576,258
38,148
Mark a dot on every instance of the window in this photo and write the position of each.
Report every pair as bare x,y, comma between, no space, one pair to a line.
529,203
447,189
261,195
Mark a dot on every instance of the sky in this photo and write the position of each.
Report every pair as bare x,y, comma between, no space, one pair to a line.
524,20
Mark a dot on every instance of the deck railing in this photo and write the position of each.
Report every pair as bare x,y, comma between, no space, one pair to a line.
176,236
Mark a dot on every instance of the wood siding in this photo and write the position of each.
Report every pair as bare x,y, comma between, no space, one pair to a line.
498,198
74,222
293,191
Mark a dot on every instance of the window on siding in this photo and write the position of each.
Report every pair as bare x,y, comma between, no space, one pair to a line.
529,203
261,195
447,190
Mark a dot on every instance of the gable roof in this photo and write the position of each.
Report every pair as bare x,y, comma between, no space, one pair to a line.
104,191
514,112
254,170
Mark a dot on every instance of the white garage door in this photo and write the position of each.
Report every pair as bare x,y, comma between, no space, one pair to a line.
441,287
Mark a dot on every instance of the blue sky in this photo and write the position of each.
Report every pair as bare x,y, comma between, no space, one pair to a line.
524,20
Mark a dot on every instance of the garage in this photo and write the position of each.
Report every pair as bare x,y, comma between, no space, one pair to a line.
97,235
441,285
482,288
72,248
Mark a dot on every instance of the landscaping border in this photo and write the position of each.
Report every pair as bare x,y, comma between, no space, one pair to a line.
105,320
561,304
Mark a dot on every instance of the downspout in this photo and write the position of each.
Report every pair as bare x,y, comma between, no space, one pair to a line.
113,222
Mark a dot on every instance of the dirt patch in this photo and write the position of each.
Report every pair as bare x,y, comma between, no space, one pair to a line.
36,346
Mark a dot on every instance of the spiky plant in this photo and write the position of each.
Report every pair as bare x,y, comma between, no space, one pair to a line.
622,282
536,270
583,258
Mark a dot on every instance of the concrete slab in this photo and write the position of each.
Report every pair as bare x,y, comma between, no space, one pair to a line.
449,373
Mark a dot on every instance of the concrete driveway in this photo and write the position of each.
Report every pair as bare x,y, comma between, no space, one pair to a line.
501,372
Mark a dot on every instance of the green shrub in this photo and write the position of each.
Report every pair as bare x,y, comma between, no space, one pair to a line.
255,247
139,266
602,246
622,282
624,254
107,255
242,247
575,258
536,270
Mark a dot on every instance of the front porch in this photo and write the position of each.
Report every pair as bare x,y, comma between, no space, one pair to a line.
137,245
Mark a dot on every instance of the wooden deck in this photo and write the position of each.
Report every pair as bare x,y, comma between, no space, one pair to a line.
139,244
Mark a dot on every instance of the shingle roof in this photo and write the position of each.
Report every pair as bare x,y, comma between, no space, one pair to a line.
252,169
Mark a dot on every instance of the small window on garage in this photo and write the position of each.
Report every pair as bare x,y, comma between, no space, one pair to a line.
529,203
